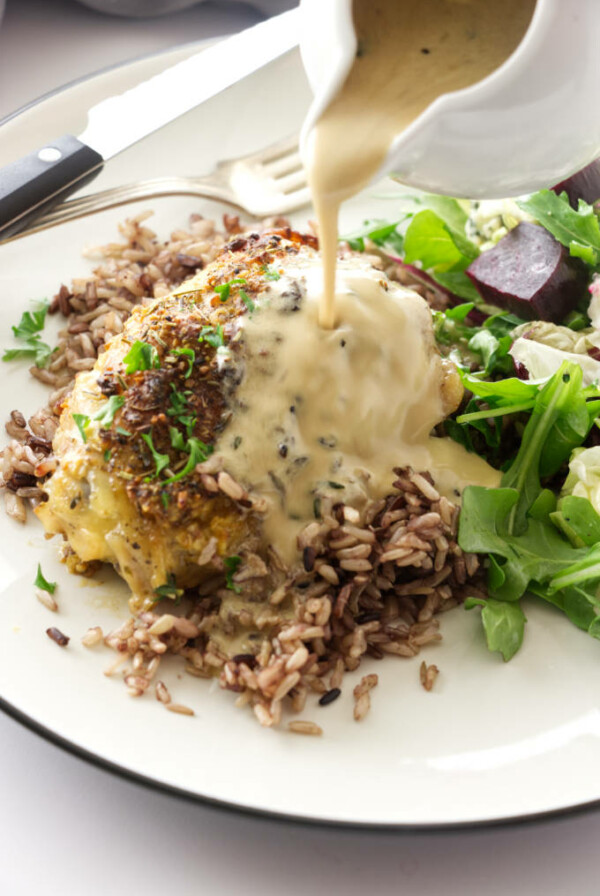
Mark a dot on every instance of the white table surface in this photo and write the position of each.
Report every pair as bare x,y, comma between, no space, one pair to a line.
67,827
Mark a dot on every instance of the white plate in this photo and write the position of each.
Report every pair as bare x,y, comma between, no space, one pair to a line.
489,743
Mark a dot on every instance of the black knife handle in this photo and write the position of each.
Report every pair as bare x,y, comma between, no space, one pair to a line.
35,183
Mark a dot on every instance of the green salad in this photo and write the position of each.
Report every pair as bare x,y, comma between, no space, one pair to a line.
515,297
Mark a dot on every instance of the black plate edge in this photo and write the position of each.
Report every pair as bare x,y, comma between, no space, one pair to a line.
141,780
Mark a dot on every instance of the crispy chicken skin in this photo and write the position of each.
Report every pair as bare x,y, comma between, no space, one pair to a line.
138,487
105,498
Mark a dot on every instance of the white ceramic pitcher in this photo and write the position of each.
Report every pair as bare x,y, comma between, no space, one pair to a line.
531,123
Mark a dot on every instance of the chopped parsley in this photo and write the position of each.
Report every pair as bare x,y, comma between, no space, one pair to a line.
237,442
231,567
106,414
44,584
270,273
164,498
27,331
160,460
179,402
82,421
169,589
247,300
107,455
224,289
333,484
141,356
198,452
212,335
177,440
122,431
190,354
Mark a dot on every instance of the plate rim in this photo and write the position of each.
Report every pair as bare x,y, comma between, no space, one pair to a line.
213,803
221,805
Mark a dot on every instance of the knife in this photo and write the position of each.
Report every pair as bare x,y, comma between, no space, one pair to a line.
44,178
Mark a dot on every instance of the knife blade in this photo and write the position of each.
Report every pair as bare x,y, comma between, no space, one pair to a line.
42,179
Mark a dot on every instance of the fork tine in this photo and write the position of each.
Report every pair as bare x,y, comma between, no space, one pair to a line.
292,182
284,165
276,150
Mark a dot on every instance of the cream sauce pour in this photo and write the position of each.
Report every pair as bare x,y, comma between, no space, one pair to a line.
331,412
409,53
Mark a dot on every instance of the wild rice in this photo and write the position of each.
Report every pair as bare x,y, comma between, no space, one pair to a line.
428,675
301,727
57,636
372,580
46,599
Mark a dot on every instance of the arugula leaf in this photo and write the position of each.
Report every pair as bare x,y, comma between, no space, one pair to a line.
579,605
429,241
503,624
548,439
536,555
212,335
160,460
231,566
576,517
44,584
106,415
577,229
458,283
383,233
190,354
141,356
82,421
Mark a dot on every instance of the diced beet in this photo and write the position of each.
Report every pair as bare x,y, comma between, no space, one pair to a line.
584,184
529,273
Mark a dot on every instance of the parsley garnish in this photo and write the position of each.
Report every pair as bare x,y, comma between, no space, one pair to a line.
178,402
191,354
212,335
237,442
224,289
164,497
231,567
161,460
141,356
122,431
82,421
188,421
169,589
333,484
27,331
247,300
198,452
270,273
106,455
177,440
44,584
106,414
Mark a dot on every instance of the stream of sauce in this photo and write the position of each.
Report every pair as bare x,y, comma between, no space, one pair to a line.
409,53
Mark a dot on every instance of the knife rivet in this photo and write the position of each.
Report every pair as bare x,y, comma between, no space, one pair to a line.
49,154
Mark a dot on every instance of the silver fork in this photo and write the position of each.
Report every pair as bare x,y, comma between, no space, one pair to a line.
265,183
